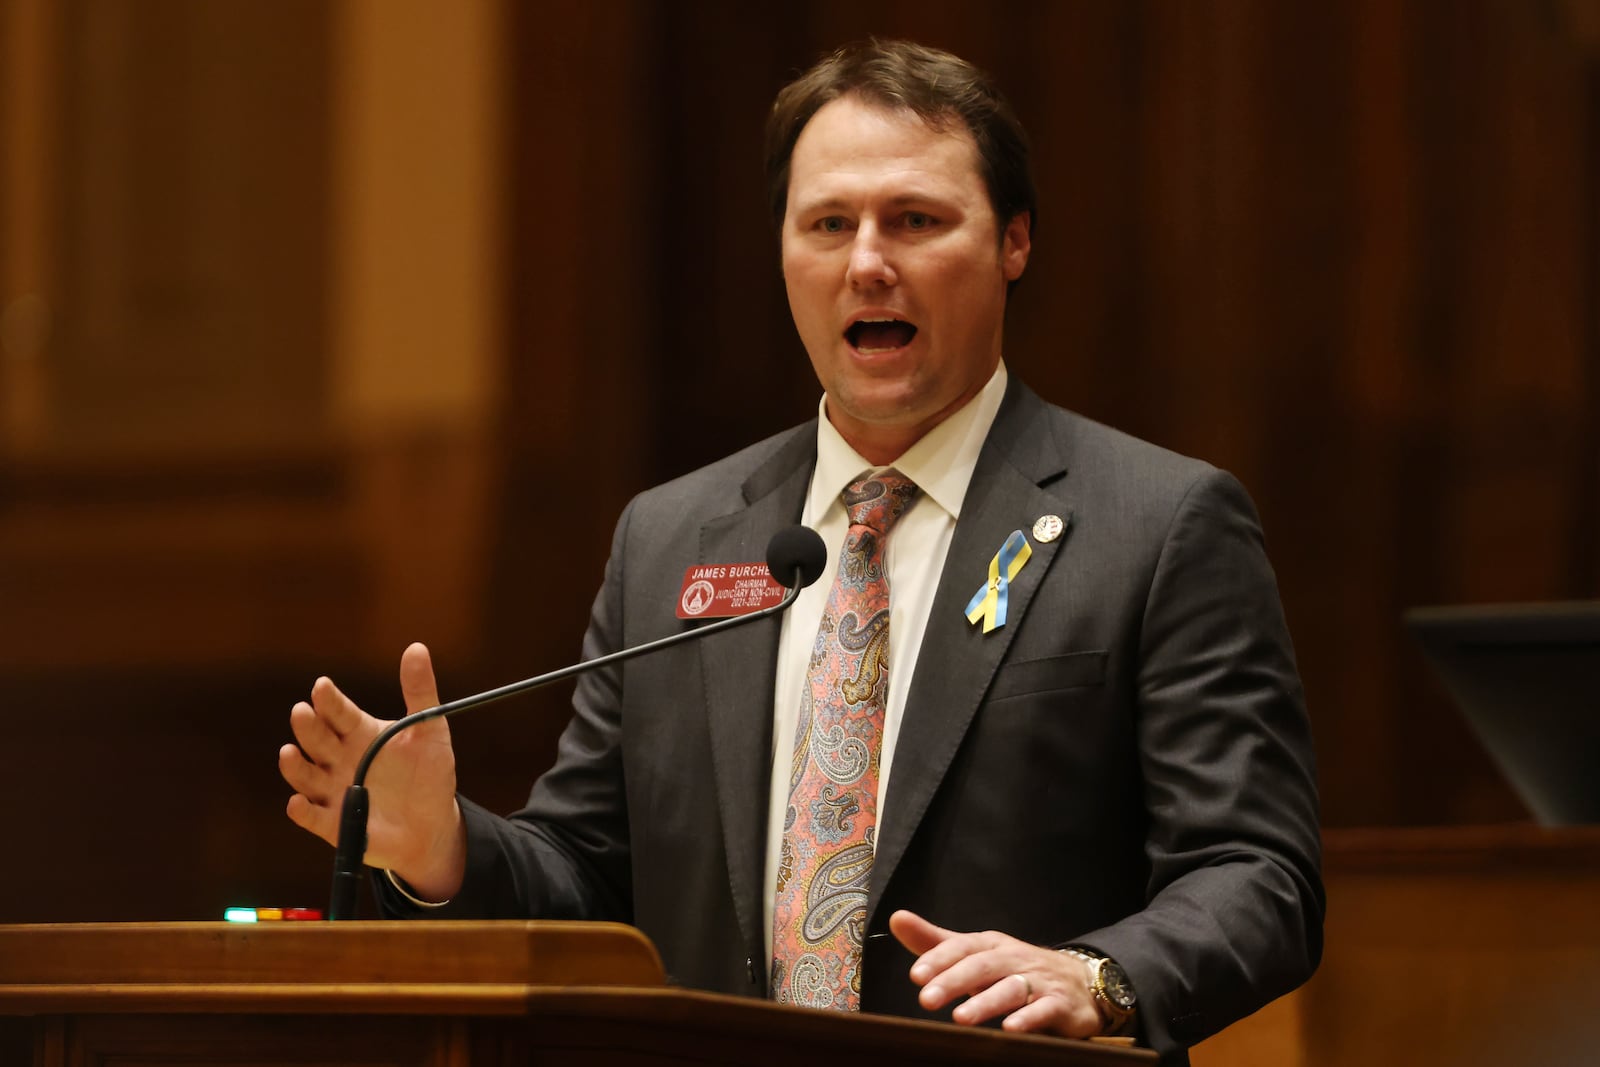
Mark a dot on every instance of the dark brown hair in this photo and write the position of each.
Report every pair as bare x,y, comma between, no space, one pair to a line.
938,87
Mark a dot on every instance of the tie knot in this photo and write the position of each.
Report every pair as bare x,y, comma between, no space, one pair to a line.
878,500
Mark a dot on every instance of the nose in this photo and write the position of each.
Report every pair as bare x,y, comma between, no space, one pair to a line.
869,260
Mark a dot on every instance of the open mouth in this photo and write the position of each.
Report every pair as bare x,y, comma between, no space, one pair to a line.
870,336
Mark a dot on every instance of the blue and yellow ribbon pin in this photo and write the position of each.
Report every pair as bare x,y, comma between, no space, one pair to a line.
989,602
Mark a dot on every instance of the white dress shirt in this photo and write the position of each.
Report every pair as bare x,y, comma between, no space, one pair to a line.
941,465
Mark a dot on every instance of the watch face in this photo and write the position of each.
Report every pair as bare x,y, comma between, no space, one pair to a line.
1114,980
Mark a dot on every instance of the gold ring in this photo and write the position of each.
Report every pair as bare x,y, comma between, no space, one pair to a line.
1027,988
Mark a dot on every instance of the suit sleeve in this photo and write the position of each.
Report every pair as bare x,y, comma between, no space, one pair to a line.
1235,898
565,855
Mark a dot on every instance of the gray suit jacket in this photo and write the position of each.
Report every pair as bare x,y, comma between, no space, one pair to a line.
1126,764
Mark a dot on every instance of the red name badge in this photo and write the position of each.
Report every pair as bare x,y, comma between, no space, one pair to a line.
721,590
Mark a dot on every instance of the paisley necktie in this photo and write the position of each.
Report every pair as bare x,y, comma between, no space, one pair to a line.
825,867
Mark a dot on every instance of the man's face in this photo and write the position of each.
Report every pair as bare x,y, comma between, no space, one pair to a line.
896,270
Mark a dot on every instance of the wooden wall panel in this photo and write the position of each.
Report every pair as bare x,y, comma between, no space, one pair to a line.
193,186
1339,251
1398,903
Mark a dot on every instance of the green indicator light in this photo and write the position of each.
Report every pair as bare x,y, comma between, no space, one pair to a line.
239,915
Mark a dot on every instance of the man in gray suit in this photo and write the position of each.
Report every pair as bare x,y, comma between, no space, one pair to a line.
1092,806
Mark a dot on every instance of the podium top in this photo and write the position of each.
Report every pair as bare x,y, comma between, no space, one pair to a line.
480,963
584,983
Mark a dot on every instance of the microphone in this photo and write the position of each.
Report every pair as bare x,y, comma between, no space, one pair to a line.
796,557
798,551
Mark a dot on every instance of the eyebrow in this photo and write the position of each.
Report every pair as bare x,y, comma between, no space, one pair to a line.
825,203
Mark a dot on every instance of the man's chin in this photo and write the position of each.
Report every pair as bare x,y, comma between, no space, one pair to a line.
885,405
882,423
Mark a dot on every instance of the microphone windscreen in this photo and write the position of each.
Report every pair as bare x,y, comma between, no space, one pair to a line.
796,551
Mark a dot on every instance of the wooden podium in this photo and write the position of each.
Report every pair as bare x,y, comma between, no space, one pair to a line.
428,994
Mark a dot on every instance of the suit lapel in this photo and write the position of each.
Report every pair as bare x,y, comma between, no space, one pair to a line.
740,672
958,660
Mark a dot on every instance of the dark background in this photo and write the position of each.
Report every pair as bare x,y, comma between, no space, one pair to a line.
1349,251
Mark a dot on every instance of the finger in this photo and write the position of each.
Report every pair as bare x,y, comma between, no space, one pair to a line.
337,711
1007,994
304,776
315,738
1053,1015
417,682
917,934
937,947
933,964
972,975
318,818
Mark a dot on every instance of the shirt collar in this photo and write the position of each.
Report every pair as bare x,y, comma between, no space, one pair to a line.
941,462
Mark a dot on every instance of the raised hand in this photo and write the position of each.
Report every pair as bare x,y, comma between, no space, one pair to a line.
415,827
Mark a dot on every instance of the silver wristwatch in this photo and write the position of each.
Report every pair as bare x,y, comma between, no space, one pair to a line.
1112,991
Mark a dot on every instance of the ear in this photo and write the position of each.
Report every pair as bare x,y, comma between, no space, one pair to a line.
1015,244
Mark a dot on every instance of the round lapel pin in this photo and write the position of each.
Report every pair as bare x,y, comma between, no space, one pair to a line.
1048,528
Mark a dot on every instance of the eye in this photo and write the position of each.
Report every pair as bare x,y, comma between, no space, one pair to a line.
831,224
917,220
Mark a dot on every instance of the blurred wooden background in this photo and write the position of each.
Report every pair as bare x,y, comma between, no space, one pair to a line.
331,326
